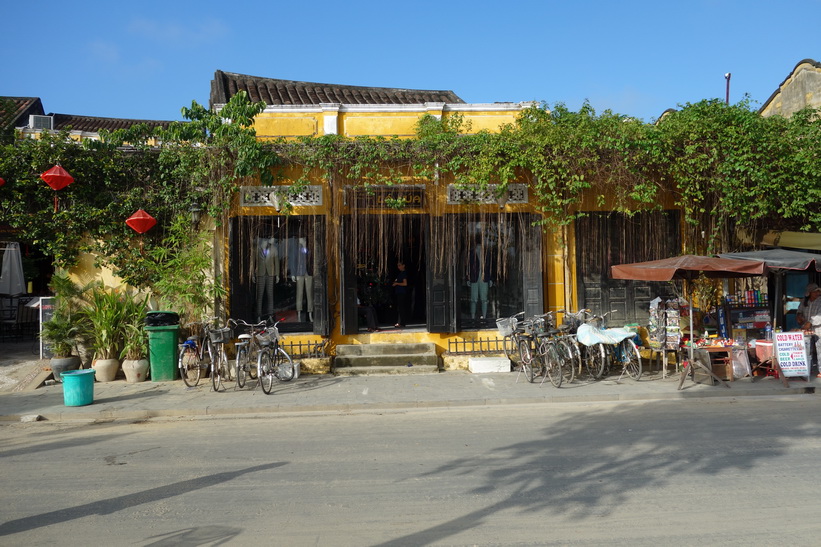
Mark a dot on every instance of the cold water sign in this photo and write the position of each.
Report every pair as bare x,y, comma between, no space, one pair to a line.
792,353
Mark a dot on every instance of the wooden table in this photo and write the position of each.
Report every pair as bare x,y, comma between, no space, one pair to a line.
706,367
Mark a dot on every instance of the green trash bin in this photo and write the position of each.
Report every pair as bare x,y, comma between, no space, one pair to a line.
162,352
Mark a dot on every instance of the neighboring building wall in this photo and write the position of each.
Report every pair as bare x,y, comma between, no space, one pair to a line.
801,89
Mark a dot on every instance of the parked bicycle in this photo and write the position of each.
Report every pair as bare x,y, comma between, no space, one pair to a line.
618,344
517,344
248,348
273,362
554,349
590,359
204,350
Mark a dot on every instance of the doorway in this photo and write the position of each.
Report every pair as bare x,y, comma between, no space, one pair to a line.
372,246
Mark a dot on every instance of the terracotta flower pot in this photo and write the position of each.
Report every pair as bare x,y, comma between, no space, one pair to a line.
105,370
135,370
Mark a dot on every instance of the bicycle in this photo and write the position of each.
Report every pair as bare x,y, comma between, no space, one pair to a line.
513,331
589,358
618,343
556,354
273,361
248,348
220,368
204,351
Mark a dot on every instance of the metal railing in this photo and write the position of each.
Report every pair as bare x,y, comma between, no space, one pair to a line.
306,349
475,347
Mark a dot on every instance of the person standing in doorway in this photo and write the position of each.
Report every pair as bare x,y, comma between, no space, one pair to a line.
809,319
402,292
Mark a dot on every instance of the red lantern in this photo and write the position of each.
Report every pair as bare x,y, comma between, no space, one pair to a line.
141,221
57,177
2,181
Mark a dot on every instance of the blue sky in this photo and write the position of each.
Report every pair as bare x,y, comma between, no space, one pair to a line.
147,60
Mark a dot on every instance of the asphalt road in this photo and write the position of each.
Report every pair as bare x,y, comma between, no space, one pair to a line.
656,473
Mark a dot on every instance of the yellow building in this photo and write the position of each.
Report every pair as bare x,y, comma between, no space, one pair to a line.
329,266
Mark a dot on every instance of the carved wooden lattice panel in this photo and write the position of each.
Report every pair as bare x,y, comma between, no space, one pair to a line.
516,193
264,196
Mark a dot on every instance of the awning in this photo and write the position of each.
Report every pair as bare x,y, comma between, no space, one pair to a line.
794,240
780,259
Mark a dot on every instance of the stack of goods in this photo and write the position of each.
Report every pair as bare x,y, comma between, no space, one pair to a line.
673,329
664,329
747,299
657,328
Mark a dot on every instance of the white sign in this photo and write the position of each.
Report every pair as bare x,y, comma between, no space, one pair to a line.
791,353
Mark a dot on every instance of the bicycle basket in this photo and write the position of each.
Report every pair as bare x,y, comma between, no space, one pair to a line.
221,336
571,322
506,325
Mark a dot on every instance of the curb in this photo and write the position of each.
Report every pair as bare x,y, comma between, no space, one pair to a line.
89,413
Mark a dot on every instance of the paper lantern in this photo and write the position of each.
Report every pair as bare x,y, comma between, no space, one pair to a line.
141,222
2,181
57,177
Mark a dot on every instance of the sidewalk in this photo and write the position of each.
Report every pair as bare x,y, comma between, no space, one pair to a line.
119,400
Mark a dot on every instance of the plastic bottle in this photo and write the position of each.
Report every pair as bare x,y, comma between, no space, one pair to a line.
768,331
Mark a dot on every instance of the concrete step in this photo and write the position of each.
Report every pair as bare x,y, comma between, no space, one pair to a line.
413,358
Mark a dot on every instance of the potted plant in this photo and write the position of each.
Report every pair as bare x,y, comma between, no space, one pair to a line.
135,341
62,335
103,318
62,332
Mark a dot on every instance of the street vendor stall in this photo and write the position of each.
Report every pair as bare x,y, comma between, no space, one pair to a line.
779,262
688,268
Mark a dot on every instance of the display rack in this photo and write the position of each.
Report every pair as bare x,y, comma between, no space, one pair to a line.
664,328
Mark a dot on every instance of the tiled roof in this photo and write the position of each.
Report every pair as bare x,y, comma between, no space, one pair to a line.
290,92
15,111
92,124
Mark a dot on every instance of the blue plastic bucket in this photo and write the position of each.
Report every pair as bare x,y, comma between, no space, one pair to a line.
78,387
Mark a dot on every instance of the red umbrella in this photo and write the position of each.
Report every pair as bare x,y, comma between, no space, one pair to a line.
688,267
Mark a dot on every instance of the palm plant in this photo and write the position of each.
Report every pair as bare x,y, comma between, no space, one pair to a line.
103,320
135,340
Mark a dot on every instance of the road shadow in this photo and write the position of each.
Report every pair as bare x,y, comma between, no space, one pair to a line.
113,505
592,464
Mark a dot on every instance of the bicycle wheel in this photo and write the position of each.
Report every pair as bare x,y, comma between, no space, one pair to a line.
596,360
241,365
553,365
526,356
631,358
575,355
568,363
510,348
216,373
265,371
189,365
283,365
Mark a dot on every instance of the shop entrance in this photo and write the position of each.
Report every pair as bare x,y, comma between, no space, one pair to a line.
372,248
